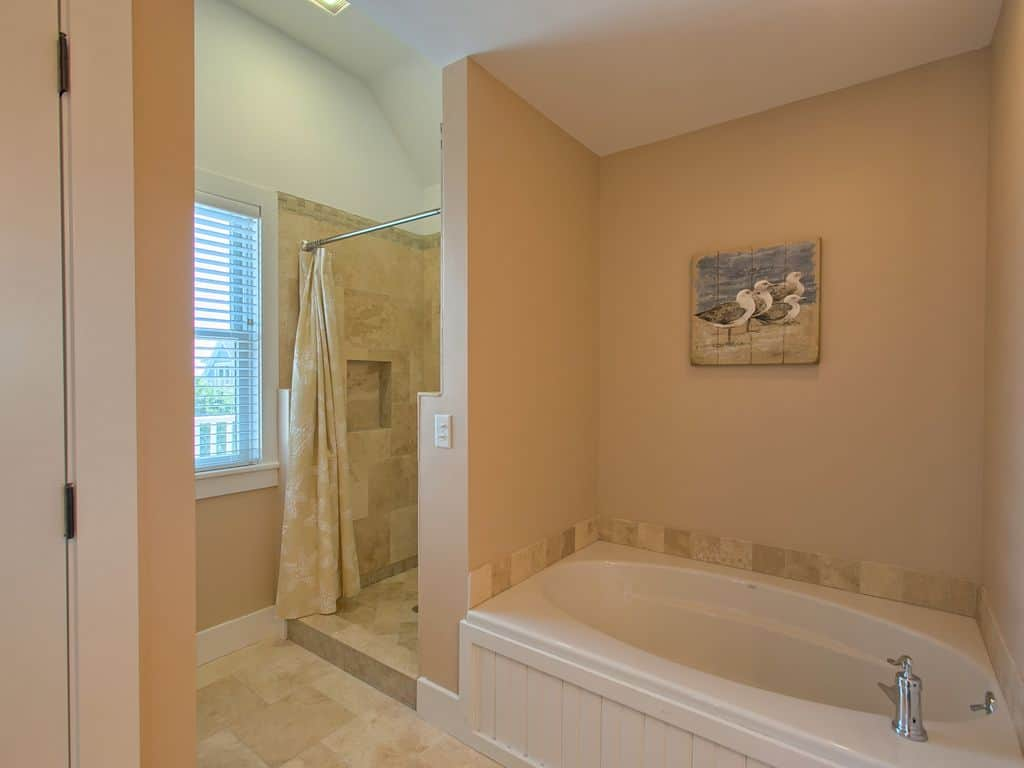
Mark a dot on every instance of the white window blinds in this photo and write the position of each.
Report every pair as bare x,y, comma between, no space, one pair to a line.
227,358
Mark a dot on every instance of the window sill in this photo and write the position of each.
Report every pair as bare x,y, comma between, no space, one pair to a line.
221,482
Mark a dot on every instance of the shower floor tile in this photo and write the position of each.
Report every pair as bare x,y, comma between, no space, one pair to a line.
374,635
314,715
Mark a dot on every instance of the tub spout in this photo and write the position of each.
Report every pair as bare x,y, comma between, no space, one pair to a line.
891,691
906,695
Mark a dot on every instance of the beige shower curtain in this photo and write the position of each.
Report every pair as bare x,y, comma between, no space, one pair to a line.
318,551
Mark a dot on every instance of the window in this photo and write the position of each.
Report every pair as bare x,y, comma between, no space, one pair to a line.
228,360
235,359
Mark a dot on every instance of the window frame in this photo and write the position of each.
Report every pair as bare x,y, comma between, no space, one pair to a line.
238,337
264,473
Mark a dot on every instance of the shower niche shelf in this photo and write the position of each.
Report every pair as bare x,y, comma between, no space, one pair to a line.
368,400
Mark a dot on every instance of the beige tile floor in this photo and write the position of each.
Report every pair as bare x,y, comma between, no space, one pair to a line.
277,705
379,622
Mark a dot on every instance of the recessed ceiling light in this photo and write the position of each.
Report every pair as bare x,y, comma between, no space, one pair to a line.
333,7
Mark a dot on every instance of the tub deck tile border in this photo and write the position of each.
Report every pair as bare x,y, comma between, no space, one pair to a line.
930,590
495,577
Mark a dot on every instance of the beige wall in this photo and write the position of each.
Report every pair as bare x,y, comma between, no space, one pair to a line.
1004,370
520,381
533,323
164,188
238,543
880,444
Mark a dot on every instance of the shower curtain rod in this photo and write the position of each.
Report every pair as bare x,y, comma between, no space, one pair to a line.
312,245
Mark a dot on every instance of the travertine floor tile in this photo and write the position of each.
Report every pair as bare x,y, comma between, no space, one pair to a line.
224,750
334,721
281,669
220,668
292,725
353,694
451,753
222,703
328,624
391,736
317,756
379,622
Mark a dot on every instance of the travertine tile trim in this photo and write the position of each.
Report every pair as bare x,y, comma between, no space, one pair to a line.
1005,667
349,222
392,569
395,683
495,577
931,590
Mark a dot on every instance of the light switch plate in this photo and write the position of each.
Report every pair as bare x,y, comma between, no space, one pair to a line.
442,430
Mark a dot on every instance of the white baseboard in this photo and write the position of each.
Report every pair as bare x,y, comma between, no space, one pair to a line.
441,708
438,706
236,634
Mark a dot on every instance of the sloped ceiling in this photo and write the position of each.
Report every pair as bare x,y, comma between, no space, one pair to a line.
406,85
620,74
350,39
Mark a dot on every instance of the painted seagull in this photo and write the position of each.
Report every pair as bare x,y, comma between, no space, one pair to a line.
790,286
731,314
762,297
782,312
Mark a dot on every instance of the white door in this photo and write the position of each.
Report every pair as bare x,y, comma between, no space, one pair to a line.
33,571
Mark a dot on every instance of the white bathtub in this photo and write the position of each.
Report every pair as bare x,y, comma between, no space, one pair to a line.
617,657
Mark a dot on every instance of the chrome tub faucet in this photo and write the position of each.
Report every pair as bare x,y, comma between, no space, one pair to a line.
905,693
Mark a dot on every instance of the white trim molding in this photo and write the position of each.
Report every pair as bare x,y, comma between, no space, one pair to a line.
439,706
233,635
220,482
103,562
443,710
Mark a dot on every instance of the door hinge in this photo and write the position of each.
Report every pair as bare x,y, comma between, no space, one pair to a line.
70,511
63,64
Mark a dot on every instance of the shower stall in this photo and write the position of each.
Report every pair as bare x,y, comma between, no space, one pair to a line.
372,291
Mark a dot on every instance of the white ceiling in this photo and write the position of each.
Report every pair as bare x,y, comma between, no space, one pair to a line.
620,74
406,86
350,39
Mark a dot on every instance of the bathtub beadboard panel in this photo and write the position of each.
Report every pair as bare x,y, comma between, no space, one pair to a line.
510,703
544,707
522,712
484,709
678,748
550,722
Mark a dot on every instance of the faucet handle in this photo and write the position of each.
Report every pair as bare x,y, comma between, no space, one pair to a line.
903,661
989,706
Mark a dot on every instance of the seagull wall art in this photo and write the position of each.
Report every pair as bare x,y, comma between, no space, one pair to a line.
767,300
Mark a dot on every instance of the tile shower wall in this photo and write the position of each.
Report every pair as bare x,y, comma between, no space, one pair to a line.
391,284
